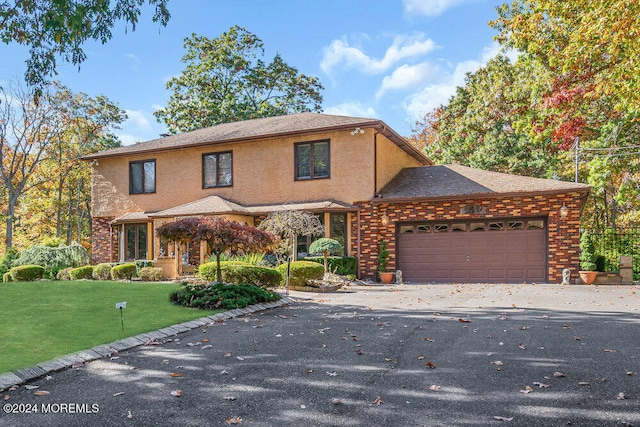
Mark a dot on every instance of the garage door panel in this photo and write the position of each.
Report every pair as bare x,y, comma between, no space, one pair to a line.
492,255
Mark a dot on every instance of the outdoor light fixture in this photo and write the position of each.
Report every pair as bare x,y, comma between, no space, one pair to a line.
357,130
385,220
564,211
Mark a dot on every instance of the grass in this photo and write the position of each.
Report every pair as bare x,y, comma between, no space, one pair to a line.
45,320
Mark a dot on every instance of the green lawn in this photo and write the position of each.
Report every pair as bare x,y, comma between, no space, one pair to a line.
44,320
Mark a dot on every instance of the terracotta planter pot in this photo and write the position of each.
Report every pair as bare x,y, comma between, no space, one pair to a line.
386,278
588,277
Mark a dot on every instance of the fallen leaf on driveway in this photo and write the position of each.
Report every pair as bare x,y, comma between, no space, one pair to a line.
205,340
559,375
207,347
583,383
336,401
621,396
606,350
502,418
541,385
176,393
378,401
31,387
464,320
360,352
234,420
332,374
41,393
118,394
229,398
526,390
434,387
129,415
239,358
497,363
521,346
430,365
227,354
630,373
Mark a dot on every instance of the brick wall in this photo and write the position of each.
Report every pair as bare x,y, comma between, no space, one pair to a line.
104,243
563,233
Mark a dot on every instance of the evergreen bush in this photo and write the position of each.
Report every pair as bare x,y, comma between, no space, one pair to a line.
73,255
26,273
103,271
124,271
342,265
6,277
150,274
81,273
64,274
207,271
302,273
222,296
588,255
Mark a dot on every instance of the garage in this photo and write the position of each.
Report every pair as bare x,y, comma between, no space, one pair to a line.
474,251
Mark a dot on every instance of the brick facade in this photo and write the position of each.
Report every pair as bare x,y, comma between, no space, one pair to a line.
563,233
104,241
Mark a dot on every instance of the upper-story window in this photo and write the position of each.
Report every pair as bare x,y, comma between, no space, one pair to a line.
312,160
142,177
217,169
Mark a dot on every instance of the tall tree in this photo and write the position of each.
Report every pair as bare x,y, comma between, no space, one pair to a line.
58,29
226,80
591,49
40,142
487,123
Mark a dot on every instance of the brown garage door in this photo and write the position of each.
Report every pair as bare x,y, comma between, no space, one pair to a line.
493,251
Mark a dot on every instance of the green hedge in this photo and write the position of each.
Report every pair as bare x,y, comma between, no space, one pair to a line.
6,277
150,274
124,271
81,273
103,271
207,271
263,277
302,273
64,274
343,265
25,273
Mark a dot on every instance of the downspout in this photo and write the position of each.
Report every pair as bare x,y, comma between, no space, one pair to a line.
375,163
110,242
358,252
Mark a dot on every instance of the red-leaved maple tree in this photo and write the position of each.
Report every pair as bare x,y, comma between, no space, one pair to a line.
221,234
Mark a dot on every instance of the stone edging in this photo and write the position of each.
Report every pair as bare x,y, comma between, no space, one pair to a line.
107,350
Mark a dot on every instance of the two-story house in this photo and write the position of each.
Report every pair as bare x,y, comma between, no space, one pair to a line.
366,183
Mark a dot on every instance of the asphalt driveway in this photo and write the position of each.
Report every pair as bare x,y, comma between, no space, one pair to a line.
410,355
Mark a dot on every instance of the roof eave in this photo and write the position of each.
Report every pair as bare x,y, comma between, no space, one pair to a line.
583,191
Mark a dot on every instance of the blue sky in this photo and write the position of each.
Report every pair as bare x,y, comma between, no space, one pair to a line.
389,59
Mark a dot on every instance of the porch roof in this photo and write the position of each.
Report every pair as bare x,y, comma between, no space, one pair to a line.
216,205
131,217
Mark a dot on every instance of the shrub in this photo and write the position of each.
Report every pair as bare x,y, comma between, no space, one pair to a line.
587,252
73,255
25,273
103,271
207,271
142,263
6,277
263,277
302,273
221,296
64,274
150,274
342,265
51,273
53,242
81,273
124,271
6,262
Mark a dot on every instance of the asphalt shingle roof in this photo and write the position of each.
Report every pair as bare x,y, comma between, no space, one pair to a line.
462,181
293,124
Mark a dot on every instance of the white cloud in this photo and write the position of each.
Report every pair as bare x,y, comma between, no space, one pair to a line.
406,76
352,109
340,54
429,7
140,126
138,119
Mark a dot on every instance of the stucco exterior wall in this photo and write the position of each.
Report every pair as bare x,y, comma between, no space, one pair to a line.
263,173
563,233
390,160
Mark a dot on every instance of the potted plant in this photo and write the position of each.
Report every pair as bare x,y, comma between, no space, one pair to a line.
588,259
383,259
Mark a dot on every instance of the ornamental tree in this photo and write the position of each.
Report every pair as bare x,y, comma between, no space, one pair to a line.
221,234
326,247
